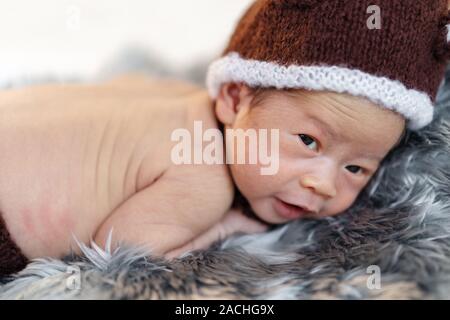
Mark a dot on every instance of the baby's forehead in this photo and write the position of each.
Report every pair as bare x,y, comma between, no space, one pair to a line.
341,97
323,100
335,114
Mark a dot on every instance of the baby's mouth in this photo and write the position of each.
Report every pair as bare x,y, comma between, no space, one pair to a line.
290,211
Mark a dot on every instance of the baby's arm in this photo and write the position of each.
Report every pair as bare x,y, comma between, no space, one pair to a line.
166,215
234,221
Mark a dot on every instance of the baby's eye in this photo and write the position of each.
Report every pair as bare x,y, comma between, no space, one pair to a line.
354,169
308,141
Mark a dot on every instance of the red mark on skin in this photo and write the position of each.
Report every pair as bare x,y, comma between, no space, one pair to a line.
32,230
38,228
35,228
27,221
65,223
47,224
45,216
58,226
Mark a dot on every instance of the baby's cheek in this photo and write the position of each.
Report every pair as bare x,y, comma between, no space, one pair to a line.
249,179
339,204
245,176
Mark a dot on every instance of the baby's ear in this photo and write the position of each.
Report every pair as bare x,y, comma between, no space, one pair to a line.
231,99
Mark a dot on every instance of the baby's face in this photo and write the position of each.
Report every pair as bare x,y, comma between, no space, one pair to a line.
330,145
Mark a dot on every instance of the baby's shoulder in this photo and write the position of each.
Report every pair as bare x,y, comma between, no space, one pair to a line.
211,184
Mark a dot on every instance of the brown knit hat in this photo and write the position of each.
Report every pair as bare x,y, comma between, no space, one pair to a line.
328,45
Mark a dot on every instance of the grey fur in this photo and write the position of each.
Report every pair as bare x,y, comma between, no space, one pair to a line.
401,223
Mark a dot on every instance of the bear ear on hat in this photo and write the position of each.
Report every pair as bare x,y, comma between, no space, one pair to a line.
442,46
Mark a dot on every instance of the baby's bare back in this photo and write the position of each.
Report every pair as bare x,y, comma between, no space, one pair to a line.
72,155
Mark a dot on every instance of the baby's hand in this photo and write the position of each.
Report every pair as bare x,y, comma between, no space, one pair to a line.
234,221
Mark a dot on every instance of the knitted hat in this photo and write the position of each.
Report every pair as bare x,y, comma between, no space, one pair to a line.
330,45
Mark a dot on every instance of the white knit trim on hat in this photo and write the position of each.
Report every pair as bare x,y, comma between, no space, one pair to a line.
414,105
448,32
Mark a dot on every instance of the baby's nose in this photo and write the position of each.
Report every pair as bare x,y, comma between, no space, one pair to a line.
323,185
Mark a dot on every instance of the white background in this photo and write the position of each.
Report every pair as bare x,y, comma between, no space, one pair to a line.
79,36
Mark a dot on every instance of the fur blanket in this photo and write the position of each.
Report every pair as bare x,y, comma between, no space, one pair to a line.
394,243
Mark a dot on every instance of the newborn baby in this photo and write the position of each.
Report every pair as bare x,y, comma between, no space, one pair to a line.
82,160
